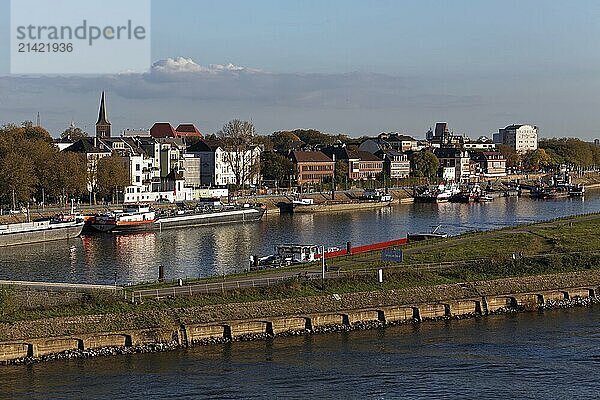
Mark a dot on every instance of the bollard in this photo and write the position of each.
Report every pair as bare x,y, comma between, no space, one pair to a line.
161,273
380,275
348,247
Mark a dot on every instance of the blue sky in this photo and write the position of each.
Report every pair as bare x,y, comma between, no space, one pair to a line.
359,67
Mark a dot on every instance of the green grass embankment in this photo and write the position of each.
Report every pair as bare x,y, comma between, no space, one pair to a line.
564,245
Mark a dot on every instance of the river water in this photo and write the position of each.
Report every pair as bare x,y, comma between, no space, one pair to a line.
547,355
222,249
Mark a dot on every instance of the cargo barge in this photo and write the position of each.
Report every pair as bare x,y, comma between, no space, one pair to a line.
44,230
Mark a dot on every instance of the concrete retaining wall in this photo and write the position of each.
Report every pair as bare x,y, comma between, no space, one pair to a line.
328,319
199,332
107,340
463,307
554,295
428,311
52,346
186,335
365,316
12,351
496,303
281,325
580,292
240,328
398,314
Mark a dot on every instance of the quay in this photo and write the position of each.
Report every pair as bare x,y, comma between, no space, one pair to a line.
185,330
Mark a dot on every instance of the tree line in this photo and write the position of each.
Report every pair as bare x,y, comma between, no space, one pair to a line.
33,170
552,153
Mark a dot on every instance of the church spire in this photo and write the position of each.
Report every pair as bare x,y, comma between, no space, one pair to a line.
103,125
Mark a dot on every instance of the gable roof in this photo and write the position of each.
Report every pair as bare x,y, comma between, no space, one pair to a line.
310,156
203,146
85,145
366,156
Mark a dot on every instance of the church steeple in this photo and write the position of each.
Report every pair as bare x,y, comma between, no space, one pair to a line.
103,125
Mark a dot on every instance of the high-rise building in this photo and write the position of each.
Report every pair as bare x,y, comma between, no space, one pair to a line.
522,138
103,125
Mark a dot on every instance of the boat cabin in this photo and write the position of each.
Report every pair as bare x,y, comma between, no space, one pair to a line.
297,253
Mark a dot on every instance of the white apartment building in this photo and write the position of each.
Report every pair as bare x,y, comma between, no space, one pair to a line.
522,138
216,164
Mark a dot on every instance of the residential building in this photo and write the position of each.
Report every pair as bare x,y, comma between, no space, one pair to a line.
395,164
521,137
389,141
368,166
483,143
490,164
312,167
454,163
441,136
218,166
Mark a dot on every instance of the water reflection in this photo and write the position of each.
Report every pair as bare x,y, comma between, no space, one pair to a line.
222,249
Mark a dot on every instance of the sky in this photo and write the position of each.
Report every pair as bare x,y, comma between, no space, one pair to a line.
355,67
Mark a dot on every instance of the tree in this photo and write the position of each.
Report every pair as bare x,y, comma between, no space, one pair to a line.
73,133
313,137
285,141
535,160
112,175
341,171
276,167
18,178
424,164
513,159
237,141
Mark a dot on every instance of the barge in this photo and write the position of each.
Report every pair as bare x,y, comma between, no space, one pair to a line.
58,228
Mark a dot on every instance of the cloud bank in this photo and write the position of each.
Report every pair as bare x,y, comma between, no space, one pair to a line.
358,103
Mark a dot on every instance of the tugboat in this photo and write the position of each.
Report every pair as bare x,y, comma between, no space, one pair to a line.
136,218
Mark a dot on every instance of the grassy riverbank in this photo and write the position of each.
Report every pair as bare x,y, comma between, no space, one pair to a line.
561,246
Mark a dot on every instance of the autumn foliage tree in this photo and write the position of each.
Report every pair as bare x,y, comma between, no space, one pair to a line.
32,169
112,176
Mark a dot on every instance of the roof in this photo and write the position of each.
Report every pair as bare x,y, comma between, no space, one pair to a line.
341,153
188,130
514,126
102,115
447,152
366,156
396,137
203,146
310,156
85,145
161,130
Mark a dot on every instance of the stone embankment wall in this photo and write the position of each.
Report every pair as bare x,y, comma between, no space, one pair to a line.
208,324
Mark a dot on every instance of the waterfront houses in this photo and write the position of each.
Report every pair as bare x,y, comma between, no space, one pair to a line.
520,137
455,163
490,164
312,167
221,167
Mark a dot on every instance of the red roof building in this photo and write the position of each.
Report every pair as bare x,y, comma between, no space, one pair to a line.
162,130
188,130
165,130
